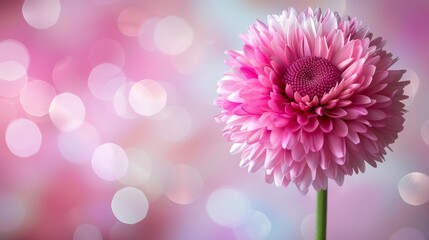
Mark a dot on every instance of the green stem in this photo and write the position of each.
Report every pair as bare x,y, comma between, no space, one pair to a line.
322,206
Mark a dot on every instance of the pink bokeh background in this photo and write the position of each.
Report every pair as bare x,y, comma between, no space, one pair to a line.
107,126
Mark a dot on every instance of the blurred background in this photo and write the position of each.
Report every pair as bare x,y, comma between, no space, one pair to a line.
107,126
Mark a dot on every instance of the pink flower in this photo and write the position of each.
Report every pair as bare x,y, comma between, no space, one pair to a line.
310,98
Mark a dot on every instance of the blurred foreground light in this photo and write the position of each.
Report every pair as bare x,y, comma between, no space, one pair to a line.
185,185
412,88
67,111
257,226
407,233
104,80
145,34
23,137
414,188
11,71
130,205
36,97
174,123
121,104
424,132
77,146
14,51
173,35
109,161
12,212
147,97
41,14
228,207
87,232
106,51
139,168
130,20
14,62
308,226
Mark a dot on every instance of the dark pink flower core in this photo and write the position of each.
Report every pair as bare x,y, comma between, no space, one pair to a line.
312,76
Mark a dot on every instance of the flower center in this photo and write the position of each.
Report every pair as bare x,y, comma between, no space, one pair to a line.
312,76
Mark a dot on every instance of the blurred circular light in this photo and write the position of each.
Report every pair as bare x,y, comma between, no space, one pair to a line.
257,226
145,34
121,103
130,20
130,205
174,123
77,146
70,75
14,51
109,161
424,132
23,137
87,232
67,111
190,61
11,89
139,168
412,88
11,71
36,97
185,185
308,227
408,233
41,14
12,211
228,207
173,35
414,188
107,51
147,97
104,80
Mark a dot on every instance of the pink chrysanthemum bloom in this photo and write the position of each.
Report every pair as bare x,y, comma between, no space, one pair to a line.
310,98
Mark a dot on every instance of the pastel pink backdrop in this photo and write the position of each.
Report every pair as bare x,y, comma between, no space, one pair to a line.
129,148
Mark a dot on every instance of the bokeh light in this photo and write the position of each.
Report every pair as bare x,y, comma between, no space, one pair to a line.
41,14
130,20
147,97
121,103
11,71
13,212
139,167
14,51
145,34
130,205
23,137
70,75
185,185
87,232
257,226
104,80
78,146
174,123
173,35
77,125
14,62
67,111
414,188
228,207
106,51
308,227
407,233
412,88
424,132
36,97
109,161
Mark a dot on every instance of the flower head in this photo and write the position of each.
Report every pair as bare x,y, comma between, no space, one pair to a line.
310,97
